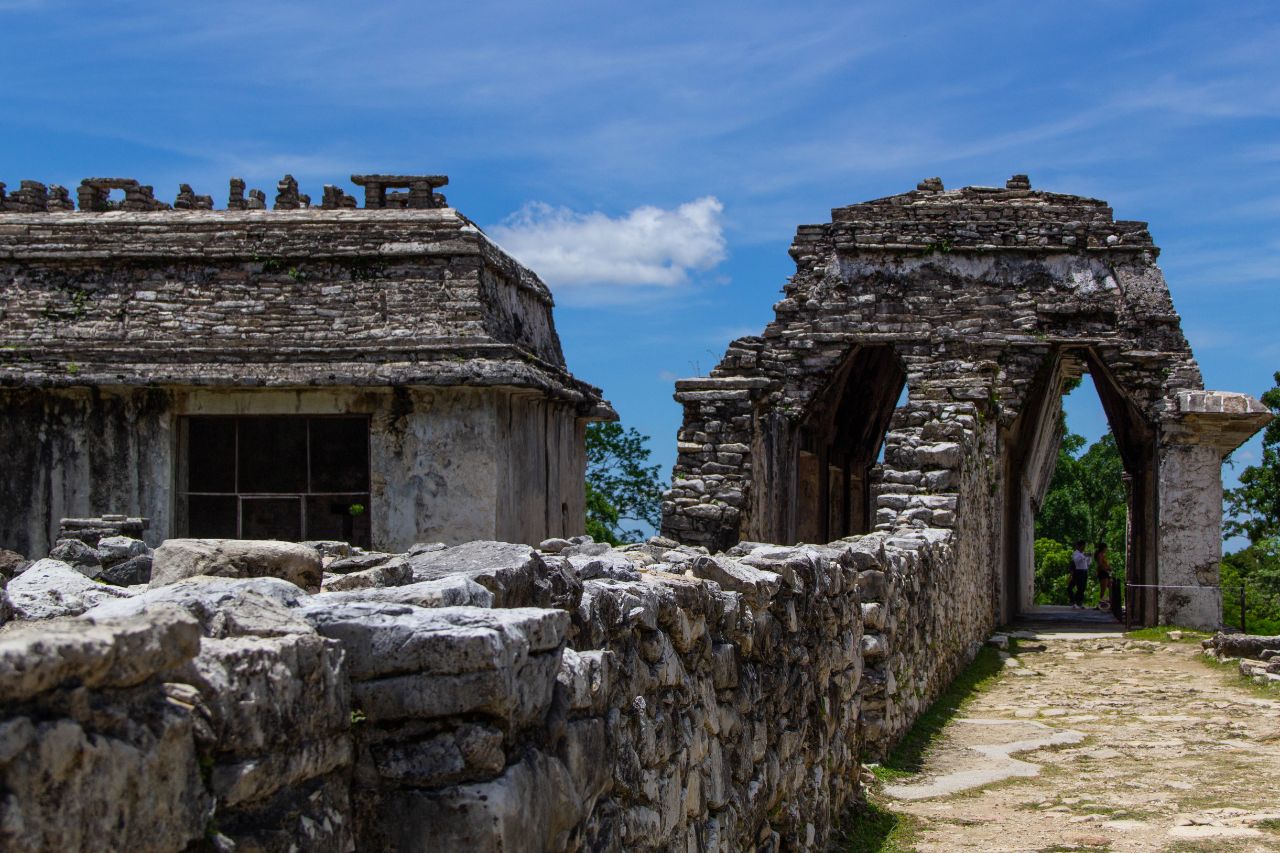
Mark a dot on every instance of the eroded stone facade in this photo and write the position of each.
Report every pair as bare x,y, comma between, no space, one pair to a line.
127,319
980,302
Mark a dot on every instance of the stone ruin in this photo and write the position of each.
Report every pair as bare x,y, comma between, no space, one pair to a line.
385,375
978,304
702,691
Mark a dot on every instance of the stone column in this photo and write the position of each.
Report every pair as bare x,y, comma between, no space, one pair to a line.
1208,425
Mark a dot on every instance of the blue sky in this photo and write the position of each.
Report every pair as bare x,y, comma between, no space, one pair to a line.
677,146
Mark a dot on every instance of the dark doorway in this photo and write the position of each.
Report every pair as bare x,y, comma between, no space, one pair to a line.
839,442
1033,457
275,477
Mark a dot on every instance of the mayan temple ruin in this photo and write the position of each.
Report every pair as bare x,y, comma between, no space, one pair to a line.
293,508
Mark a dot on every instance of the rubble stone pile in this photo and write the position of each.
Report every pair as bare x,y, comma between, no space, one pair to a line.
1258,657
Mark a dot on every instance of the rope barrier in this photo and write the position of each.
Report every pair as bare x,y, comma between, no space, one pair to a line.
1162,586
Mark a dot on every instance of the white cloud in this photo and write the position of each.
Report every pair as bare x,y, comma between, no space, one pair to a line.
649,247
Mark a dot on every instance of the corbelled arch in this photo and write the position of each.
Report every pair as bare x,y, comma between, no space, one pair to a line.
979,294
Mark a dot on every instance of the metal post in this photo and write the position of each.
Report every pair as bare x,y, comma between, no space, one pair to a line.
1243,628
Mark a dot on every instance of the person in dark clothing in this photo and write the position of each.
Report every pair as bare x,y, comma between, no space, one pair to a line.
1079,576
1103,566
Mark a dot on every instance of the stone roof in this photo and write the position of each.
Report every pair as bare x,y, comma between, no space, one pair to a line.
283,298
979,219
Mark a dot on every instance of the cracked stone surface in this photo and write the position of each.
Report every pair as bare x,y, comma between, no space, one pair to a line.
1174,755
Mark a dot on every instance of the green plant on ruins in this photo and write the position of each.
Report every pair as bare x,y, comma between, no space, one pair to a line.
1253,511
621,488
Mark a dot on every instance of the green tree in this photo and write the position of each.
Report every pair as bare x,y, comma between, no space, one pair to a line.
1256,570
621,487
1085,500
1253,509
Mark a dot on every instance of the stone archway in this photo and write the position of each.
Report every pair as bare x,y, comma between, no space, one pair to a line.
981,295
1031,451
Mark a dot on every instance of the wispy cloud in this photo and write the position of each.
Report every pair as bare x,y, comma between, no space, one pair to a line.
649,247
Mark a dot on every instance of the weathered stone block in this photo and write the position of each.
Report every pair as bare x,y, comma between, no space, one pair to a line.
50,588
178,559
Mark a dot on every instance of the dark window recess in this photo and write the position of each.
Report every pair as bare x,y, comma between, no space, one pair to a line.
212,516
271,518
339,455
290,478
211,460
272,455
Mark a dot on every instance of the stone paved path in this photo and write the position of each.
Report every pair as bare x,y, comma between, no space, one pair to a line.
1154,751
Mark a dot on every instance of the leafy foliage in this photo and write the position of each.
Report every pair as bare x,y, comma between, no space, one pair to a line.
1256,570
621,487
1253,509
1085,500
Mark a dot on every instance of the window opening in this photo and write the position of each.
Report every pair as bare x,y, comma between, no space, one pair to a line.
277,477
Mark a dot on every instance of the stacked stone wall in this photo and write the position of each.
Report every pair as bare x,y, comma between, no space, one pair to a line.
486,696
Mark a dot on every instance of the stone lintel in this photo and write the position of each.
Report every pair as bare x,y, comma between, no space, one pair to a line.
1224,419
723,383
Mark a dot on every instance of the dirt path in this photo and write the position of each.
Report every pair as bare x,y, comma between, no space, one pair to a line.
1139,745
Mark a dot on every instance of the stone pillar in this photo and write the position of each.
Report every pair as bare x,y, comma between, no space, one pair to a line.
1206,427
1190,484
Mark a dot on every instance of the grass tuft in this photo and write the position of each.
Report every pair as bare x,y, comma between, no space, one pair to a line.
874,829
908,756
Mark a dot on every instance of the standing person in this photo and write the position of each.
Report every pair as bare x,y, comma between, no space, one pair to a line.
1104,576
1079,576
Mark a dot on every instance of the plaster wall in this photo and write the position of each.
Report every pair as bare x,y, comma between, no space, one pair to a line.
447,464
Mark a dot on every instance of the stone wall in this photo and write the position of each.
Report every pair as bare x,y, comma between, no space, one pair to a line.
481,697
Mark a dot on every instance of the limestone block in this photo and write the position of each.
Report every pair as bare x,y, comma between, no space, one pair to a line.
262,694
757,585
11,563
515,574
454,591
117,549
519,694
608,565
946,454
872,585
532,807
314,815
110,653
388,639
585,678
51,588
68,787
178,559
131,572
224,607
394,572
357,562
468,753
78,555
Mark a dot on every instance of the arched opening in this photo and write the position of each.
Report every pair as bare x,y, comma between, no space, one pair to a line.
838,442
1033,453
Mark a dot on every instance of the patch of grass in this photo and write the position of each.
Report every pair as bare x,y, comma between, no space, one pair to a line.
1231,669
874,829
908,756
1161,634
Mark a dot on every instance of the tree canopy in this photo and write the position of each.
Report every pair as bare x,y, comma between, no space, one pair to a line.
1085,500
1253,509
621,487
